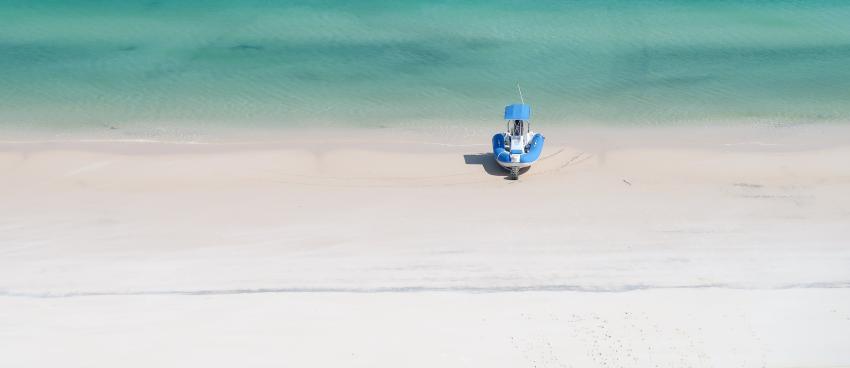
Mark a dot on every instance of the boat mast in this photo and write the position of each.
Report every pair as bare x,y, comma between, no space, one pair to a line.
520,93
523,102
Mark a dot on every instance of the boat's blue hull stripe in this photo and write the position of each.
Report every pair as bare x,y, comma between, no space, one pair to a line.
534,149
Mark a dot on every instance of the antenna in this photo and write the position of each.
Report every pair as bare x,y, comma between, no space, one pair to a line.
520,93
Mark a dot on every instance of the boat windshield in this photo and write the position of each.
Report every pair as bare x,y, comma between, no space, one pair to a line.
517,129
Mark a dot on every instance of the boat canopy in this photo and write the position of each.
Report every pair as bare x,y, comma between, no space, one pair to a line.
517,112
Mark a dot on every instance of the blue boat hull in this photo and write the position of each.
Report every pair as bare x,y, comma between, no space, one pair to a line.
503,156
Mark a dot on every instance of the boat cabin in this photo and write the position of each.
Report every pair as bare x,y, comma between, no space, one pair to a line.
518,128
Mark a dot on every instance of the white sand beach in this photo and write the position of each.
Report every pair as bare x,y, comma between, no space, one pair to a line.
668,247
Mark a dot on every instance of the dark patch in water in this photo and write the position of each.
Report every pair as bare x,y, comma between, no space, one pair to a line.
248,47
306,76
681,80
315,61
153,5
737,54
675,66
128,48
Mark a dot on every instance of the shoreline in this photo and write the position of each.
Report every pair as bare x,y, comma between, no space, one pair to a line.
758,137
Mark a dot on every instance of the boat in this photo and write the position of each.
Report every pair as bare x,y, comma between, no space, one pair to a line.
518,147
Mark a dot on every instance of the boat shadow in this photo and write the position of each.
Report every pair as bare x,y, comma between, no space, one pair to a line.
487,162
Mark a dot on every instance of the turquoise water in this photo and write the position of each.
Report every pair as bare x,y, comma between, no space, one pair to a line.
76,64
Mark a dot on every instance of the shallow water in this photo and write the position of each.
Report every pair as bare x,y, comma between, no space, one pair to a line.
72,65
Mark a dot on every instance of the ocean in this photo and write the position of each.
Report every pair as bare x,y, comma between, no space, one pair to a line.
155,65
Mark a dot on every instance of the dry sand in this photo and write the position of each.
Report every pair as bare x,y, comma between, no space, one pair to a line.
621,247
